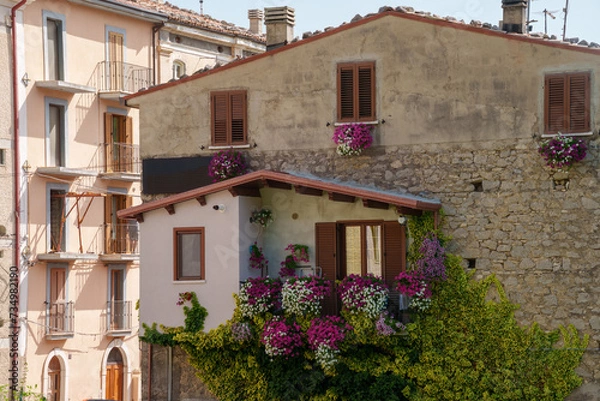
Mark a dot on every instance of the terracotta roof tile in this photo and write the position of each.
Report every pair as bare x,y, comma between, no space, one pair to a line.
193,19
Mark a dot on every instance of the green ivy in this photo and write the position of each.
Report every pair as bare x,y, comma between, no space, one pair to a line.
467,346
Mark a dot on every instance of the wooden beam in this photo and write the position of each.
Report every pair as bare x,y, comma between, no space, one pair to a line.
408,211
170,208
308,190
139,217
375,204
201,200
278,184
253,192
337,197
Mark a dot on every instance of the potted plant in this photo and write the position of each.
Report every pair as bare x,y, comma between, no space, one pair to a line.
352,139
227,164
262,217
561,152
257,259
298,254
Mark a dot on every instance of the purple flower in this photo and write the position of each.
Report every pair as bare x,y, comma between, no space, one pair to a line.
259,295
281,338
363,294
352,139
328,330
227,164
561,151
431,264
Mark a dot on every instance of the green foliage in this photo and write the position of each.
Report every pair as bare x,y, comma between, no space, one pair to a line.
418,228
466,346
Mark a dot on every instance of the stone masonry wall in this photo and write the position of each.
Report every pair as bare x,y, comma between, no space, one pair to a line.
505,215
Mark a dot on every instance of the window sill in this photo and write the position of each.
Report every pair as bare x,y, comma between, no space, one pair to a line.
568,134
182,282
247,146
376,122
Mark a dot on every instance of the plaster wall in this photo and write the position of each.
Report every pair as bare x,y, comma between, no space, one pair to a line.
430,89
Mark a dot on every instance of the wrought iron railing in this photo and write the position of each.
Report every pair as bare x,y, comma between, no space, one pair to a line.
122,158
60,318
119,315
121,238
116,76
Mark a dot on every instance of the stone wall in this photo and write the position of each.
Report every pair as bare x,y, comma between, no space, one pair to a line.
505,215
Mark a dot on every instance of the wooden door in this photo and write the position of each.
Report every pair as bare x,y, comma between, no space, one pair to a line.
57,307
54,380
115,58
114,381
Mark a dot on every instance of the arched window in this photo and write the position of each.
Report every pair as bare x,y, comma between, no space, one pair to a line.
178,69
54,379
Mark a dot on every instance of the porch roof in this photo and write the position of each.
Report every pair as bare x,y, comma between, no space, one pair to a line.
251,183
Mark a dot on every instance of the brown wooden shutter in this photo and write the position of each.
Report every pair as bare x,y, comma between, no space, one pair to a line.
579,103
238,118
128,130
366,92
219,126
555,104
394,251
326,259
345,107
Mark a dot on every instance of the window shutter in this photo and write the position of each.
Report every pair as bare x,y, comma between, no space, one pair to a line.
219,118
555,104
345,93
238,118
394,251
128,130
366,92
579,103
326,259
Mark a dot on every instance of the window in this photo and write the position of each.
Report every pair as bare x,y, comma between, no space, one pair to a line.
567,103
346,248
115,47
119,310
2,157
58,220
188,250
121,155
54,45
228,118
178,69
56,131
121,236
356,92
60,313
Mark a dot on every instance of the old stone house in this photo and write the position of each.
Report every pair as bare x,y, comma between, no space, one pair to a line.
457,112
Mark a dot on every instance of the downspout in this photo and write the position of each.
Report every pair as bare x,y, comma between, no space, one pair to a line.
155,30
149,371
17,179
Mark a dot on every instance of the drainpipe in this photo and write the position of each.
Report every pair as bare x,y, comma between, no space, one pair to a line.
155,30
17,179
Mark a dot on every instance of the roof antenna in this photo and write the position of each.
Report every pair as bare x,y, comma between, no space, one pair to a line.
201,7
566,10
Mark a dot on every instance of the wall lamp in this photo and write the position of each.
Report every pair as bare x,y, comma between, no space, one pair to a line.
219,208
402,220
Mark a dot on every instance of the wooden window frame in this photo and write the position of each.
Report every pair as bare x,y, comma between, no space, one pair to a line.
566,100
359,92
226,133
176,267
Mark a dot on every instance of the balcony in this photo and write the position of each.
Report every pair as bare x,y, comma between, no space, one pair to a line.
122,162
119,318
59,320
121,242
114,79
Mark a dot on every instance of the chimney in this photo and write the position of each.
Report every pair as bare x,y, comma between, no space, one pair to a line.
514,17
256,21
280,26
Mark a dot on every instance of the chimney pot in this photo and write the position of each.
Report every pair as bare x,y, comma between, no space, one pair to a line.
514,17
280,26
256,21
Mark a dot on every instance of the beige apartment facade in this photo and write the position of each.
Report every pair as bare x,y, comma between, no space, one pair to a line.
457,113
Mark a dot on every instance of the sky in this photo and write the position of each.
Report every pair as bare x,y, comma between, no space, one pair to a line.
312,15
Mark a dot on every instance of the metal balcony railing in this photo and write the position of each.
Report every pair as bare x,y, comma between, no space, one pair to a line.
122,158
60,319
121,238
116,76
119,316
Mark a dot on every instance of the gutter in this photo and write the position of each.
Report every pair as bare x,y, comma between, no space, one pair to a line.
14,308
124,9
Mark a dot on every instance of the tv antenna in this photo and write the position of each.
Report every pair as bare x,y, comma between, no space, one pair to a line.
566,11
547,13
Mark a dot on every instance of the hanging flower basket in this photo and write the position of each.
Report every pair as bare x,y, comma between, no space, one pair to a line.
262,217
561,152
227,164
352,139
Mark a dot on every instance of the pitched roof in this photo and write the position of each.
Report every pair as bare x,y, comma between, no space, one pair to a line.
400,12
193,19
251,183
